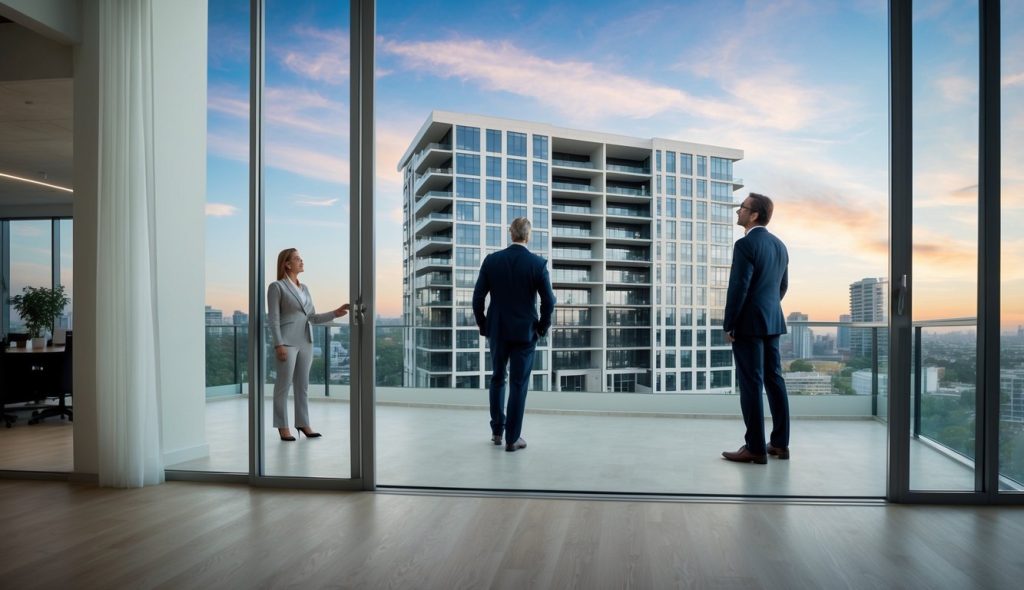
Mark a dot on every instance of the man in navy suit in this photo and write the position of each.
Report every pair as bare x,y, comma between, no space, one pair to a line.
513,277
753,324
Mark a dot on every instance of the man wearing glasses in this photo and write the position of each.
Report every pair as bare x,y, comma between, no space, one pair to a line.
753,324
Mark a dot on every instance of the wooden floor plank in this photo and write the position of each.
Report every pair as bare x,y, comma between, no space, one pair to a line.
190,535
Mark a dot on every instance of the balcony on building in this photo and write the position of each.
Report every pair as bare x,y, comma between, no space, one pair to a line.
435,221
430,243
434,179
628,163
432,155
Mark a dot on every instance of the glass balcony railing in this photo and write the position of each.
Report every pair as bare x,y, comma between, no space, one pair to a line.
630,169
628,190
571,209
573,186
570,231
627,211
572,163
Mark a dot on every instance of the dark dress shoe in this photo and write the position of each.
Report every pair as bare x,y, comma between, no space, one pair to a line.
496,439
512,447
743,455
780,452
309,432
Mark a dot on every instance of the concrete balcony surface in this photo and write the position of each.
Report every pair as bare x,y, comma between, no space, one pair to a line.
449,447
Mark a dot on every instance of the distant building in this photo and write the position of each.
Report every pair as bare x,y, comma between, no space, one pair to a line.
239,318
808,383
869,303
214,316
638,232
800,337
843,334
861,382
1011,385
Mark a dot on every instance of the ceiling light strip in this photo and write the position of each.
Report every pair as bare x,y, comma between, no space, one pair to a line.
29,180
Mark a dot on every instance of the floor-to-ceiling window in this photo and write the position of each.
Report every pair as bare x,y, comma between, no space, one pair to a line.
31,443
627,134
1011,374
945,251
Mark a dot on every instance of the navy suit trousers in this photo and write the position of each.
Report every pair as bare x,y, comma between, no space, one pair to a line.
759,365
518,357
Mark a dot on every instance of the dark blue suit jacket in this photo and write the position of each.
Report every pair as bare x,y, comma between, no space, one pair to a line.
513,277
757,284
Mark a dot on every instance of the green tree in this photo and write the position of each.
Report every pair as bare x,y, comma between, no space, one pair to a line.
800,366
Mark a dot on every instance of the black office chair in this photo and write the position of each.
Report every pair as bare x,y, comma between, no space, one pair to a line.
65,387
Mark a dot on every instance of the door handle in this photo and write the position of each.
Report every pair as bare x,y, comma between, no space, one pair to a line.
901,296
359,310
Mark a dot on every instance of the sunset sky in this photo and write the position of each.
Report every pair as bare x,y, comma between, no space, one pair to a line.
799,86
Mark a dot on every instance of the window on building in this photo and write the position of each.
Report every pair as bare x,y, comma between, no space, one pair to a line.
516,169
540,147
494,141
468,164
493,190
516,144
494,213
540,196
467,188
467,138
494,166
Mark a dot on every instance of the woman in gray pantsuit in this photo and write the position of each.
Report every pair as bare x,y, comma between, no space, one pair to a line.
291,316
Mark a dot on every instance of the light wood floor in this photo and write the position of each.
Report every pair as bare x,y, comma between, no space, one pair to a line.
192,535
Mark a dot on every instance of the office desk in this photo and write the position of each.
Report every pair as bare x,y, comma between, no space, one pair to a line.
32,374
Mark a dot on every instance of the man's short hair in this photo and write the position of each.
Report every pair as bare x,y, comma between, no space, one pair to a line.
763,206
520,229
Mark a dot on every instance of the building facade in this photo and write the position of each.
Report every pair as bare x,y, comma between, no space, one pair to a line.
869,303
638,233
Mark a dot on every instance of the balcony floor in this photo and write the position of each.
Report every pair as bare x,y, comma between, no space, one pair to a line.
450,447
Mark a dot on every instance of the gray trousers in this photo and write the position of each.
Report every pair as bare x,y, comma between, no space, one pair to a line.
293,370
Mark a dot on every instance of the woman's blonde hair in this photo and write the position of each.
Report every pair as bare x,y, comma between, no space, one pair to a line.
282,259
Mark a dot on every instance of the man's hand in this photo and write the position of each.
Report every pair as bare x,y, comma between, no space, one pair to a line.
729,337
343,310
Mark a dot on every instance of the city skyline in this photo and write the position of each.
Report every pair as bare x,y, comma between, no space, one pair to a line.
814,136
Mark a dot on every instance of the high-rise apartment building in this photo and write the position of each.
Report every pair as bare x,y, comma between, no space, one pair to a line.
800,338
638,233
843,333
869,303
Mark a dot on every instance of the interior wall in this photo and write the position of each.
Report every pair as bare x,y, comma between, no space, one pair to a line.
179,80
86,129
59,20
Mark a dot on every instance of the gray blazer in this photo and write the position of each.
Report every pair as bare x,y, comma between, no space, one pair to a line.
291,323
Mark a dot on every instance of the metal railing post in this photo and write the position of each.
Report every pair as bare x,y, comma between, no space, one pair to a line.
918,372
874,371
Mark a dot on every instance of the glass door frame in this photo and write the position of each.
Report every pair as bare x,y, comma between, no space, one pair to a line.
361,269
986,481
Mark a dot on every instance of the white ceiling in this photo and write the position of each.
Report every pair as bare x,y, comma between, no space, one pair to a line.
35,140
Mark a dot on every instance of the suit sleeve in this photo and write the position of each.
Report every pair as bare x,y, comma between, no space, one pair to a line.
739,284
480,292
547,300
274,313
785,283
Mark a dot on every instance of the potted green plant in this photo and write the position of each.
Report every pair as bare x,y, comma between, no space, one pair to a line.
39,308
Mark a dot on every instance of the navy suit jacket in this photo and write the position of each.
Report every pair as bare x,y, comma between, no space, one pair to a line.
757,284
513,277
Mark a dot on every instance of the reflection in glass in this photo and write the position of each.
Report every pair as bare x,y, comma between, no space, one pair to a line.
944,282
1011,370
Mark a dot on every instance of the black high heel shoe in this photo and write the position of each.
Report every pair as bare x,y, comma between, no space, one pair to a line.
288,438
310,433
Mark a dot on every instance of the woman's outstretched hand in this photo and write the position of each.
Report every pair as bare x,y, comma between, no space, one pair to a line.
343,310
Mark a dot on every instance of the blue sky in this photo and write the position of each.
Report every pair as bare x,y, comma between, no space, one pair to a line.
800,86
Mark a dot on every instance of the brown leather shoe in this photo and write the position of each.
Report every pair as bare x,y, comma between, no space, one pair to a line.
780,452
745,456
512,447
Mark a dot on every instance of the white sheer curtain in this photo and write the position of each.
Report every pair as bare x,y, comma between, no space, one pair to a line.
128,396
